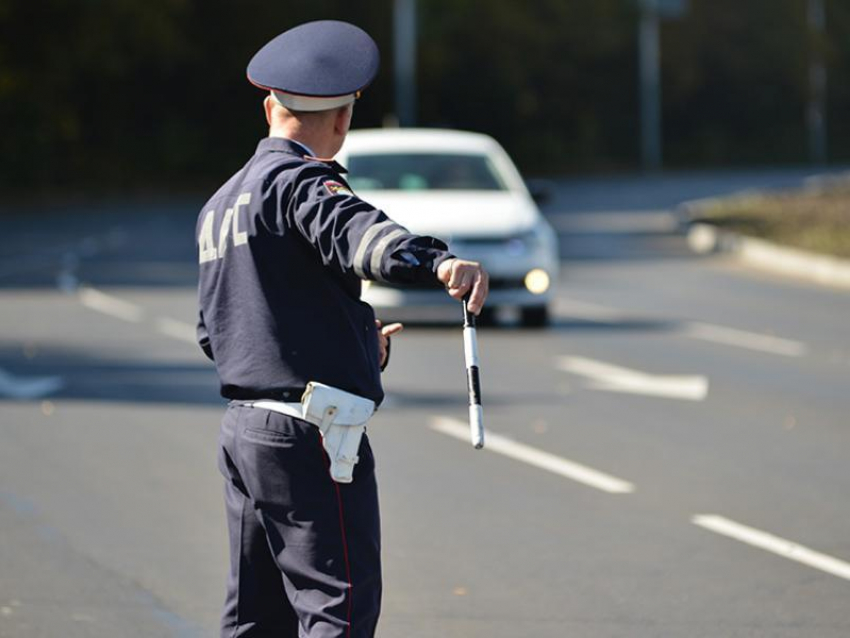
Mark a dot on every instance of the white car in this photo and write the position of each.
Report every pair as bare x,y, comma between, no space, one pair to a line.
462,188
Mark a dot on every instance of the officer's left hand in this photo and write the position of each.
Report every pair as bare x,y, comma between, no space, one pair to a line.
384,334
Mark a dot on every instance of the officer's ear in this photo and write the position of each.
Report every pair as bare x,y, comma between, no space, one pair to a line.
268,105
342,120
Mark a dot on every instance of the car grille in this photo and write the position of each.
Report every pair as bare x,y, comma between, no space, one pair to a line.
478,241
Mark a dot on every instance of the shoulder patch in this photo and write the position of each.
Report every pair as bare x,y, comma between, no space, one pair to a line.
335,188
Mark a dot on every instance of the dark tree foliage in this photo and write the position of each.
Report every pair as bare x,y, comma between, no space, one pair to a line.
108,95
735,82
837,51
553,80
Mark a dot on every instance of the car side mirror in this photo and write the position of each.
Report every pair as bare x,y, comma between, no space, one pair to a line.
540,190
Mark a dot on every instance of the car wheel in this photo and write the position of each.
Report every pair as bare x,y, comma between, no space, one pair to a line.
534,316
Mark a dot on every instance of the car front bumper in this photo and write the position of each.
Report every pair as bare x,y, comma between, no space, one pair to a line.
381,297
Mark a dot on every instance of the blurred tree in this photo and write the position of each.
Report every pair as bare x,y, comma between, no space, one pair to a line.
553,80
110,94
79,81
225,108
105,94
735,82
838,84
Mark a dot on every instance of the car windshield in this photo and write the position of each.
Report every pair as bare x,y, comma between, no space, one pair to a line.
423,171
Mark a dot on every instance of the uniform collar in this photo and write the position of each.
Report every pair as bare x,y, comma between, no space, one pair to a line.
286,145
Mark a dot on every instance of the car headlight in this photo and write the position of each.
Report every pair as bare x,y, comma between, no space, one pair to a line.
537,281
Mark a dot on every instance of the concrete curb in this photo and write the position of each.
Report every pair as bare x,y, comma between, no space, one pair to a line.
821,269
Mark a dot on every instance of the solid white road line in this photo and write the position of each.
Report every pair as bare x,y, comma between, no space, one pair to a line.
774,544
605,376
744,339
538,458
109,305
176,329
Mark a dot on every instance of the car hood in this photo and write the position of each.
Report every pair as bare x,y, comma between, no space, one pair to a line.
448,214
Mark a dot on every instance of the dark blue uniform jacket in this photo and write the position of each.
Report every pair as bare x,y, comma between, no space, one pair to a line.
283,247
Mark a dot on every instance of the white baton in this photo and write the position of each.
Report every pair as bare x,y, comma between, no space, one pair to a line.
470,349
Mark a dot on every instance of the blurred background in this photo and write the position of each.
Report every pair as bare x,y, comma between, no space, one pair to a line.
667,446
117,94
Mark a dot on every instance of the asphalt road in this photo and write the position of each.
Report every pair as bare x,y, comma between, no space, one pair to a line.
670,458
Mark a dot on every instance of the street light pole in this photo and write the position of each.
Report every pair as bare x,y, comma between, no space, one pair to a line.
404,36
649,65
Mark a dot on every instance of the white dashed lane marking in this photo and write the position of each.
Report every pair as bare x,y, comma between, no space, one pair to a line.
774,544
723,335
107,304
179,330
603,376
538,458
744,339
611,378
127,311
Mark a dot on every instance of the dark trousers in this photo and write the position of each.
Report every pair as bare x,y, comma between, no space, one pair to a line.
304,550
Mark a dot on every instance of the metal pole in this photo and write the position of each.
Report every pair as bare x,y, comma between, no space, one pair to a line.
404,31
816,109
649,64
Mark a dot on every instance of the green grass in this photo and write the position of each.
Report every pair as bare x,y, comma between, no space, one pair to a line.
818,221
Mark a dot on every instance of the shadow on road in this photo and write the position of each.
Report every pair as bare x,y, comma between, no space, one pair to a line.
85,376
557,324
134,246
415,399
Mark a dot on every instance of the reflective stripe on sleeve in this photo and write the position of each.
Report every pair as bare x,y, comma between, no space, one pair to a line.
380,249
368,236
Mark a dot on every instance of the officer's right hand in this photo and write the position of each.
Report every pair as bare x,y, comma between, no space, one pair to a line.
460,277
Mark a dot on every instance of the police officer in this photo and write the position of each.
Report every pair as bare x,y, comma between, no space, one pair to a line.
283,247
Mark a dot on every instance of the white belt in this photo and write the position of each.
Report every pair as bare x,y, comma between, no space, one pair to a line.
341,418
289,409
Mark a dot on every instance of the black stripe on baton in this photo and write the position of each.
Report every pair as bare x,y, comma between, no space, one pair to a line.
474,385
473,381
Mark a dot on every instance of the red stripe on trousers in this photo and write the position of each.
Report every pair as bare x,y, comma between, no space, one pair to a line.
345,554
344,540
